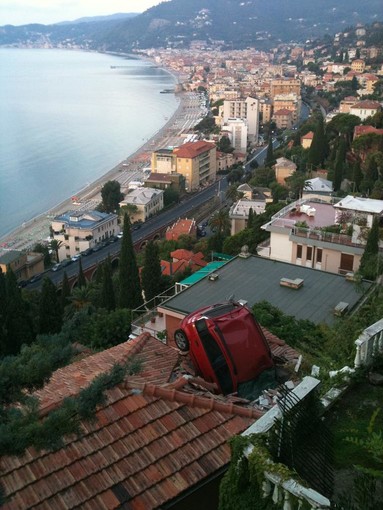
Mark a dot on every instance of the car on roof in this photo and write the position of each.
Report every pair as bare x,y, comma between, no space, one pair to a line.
226,345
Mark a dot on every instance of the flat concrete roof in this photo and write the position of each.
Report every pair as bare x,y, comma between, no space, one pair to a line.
258,279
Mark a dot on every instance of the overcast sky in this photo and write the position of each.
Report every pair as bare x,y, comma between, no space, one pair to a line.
22,12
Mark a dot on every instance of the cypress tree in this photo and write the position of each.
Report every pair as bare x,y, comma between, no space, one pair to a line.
370,264
50,316
339,164
151,272
18,323
108,299
3,301
65,291
318,149
130,295
250,220
81,277
270,160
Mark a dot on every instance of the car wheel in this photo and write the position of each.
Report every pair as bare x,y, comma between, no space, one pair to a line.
181,340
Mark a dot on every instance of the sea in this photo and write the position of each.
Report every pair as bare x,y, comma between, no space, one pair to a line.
66,119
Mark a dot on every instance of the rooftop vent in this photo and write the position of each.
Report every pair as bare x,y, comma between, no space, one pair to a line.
245,254
213,277
292,284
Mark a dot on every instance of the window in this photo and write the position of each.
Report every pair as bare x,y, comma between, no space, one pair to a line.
319,255
299,251
346,262
309,254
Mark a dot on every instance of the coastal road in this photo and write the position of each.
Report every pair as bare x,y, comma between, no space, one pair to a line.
150,226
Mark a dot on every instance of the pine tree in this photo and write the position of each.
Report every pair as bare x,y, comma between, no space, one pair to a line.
50,313
318,149
108,299
81,282
130,295
151,272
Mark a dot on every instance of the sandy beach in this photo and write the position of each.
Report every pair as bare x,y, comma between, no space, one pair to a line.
37,229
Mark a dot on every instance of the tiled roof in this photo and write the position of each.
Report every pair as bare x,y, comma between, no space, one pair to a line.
367,105
365,130
193,149
150,440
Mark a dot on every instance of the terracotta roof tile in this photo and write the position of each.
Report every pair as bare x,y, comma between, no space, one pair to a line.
148,444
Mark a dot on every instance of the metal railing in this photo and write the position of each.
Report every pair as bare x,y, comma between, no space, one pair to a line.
369,344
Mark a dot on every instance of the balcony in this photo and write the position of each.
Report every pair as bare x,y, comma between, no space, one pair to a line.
325,237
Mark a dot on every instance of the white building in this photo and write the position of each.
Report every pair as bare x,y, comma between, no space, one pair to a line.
80,230
246,109
148,201
237,131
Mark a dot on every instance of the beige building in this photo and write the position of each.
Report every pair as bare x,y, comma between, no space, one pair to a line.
148,201
239,213
285,86
283,118
265,110
23,265
290,102
284,168
303,233
306,140
79,230
358,65
164,161
346,103
197,162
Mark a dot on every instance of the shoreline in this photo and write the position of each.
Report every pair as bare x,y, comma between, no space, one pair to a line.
35,230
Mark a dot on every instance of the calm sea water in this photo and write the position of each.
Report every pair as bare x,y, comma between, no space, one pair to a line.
66,118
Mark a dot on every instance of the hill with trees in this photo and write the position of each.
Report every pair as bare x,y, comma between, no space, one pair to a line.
177,22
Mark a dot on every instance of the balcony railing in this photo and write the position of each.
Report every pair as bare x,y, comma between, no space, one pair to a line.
327,237
368,344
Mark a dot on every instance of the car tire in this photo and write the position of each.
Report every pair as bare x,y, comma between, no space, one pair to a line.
181,340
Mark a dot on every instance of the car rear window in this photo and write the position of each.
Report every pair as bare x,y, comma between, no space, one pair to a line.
216,357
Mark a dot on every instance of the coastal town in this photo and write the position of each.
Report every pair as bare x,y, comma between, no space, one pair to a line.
262,196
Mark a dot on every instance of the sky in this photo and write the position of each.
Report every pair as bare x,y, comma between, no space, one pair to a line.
22,12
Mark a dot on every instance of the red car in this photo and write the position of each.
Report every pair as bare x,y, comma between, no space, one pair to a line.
226,344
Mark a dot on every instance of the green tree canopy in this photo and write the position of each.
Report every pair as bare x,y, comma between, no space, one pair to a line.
111,196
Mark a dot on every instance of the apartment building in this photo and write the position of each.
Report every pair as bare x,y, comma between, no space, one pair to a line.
291,102
283,118
307,139
285,86
322,235
79,230
197,162
358,65
237,131
163,161
346,103
148,201
247,109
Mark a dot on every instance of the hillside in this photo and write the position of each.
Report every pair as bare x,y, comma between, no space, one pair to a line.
177,22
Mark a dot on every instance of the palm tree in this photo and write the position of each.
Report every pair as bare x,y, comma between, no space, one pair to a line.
55,245
220,222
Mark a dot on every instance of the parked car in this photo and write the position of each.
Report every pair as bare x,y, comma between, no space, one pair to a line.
87,252
119,235
66,262
76,257
56,267
226,345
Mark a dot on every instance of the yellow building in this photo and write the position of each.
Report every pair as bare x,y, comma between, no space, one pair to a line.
147,201
23,265
358,65
284,168
285,86
197,162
